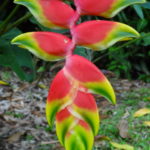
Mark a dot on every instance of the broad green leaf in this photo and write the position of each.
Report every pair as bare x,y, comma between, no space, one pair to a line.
139,11
11,56
146,5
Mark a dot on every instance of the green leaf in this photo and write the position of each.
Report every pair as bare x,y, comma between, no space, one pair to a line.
141,24
11,34
18,60
83,52
146,5
146,40
139,11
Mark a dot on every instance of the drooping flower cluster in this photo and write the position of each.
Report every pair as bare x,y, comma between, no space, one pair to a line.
70,101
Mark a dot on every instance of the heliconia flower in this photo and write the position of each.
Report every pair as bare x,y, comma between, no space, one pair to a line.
60,95
48,46
100,34
50,13
73,132
104,8
69,100
87,74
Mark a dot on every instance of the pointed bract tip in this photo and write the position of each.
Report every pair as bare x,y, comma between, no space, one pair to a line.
17,40
14,40
19,1
48,117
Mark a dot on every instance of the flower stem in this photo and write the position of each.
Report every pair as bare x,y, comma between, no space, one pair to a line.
72,25
4,24
3,5
18,22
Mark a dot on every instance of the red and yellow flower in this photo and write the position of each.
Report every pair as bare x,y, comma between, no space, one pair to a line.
70,101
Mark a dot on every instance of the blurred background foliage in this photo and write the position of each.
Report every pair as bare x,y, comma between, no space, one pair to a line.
129,59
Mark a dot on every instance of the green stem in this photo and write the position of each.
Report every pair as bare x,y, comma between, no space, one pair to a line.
6,21
122,46
18,22
3,5
45,65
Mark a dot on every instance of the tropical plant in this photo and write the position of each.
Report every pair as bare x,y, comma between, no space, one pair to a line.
70,101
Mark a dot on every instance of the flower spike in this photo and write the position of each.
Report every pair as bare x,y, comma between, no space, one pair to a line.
43,44
50,13
103,8
99,34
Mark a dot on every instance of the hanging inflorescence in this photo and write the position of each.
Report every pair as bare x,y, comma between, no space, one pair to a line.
70,101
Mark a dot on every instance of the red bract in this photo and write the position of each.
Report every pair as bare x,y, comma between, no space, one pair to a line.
89,76
70,101
94,7
61,92
83,70
43,44
104,8
100,34
84,104
59,96
49,40
50,13
57,12
85,101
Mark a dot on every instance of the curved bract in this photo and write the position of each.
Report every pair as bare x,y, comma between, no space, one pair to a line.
81,133
73,132
48,46
50,13
59,96
88,75
104,8
84,104
100,34
70,101
80,104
